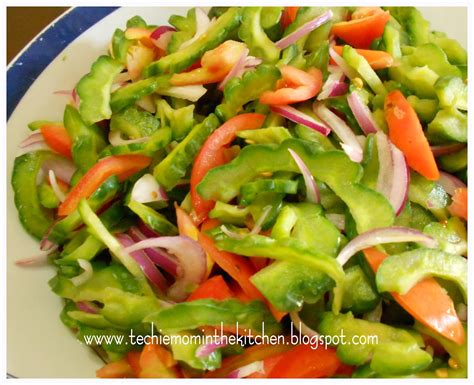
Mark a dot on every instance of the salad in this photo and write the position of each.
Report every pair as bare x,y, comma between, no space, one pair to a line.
278,172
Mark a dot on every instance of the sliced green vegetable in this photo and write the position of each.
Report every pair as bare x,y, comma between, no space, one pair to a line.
152,218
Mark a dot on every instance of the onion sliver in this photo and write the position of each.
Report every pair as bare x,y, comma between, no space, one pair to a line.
343,131
304,30
85,275
299,117
312,191
148,267
380,236
362,114
191,258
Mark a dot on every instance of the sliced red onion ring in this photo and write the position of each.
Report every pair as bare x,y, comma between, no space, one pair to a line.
449,182
362,114
380,236
46,244
54,185
348,70
401,180
338,220
299,117
191,258
237,70
350,144
158,256
207,349
304,30
301,326
447,149
146,190
334,84
191,93
37,259
247,370
85,275
87,307
385,176
72,94
146,231
63,168
163,41
149,269
312,190
115,139
155,35
36,146
258,225
202,25
35,137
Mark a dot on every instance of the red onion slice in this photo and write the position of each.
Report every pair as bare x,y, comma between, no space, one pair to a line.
380,236
447,149
362,114
155,35
348,70
299,117
301,326
115,139
312,191
163,41
146,231
202,25
72,94
158,256
247,370
122,77
332,85
401,180
191,258
252,61
449,182
304,30
385,176
350,144
146,190
149,269
230,233
37,259
237,70
36,146
258,225
54,185
87,307
35,137
85,275
63,168
207,349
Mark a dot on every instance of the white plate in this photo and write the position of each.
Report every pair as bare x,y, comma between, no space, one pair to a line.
38,345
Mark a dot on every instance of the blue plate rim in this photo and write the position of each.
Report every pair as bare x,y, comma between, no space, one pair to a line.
28,65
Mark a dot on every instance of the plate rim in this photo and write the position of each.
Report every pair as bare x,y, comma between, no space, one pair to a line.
33,59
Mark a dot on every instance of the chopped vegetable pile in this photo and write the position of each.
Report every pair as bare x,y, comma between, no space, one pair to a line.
286,167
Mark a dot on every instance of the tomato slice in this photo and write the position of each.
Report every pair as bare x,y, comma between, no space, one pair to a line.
459,205
367,24
212,154
215,288
57,138
123,166
297,86
116,369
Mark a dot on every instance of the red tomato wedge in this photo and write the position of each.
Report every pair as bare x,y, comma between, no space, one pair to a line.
57,138
214,288
296,86
376,59
156,362
367,24
459,205
303,361
406,133
427,302
123,166
212,154
288,16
